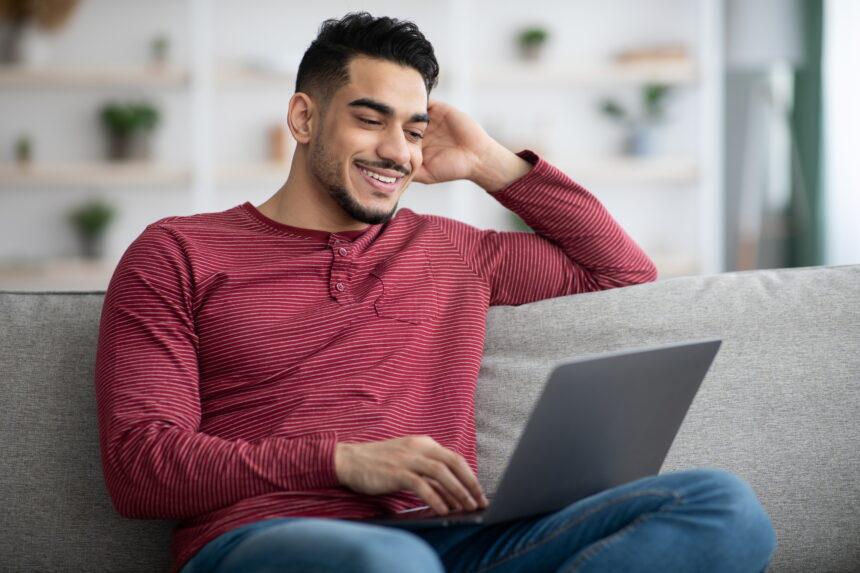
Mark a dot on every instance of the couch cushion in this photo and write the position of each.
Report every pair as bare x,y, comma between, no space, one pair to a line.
56,514
779,406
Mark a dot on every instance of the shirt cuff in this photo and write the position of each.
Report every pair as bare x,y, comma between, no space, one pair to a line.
315,454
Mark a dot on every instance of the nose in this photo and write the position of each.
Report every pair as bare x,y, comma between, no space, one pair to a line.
395,148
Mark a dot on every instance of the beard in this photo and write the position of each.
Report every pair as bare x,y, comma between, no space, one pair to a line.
325,168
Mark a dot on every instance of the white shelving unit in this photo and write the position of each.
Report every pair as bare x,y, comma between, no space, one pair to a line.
204,80
701,170
89,77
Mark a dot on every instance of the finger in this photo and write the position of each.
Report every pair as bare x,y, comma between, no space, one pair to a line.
465,474
422,488
438,470
422,177
457,464
450,500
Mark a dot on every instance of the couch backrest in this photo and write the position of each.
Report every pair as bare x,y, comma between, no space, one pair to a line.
778,407
56,514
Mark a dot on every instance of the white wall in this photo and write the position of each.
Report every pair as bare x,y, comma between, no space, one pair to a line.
118,31
841,132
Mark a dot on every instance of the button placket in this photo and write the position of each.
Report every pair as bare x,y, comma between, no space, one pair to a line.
339,270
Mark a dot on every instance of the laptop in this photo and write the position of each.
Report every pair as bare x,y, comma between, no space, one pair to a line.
600,421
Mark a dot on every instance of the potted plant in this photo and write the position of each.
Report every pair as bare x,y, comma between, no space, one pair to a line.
160,49
129,127
531,41
22,23
23,150
90,221
639,127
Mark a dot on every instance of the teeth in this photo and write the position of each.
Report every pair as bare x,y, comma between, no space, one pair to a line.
382,178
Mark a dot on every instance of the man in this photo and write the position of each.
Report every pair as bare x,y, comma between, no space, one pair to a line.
271,375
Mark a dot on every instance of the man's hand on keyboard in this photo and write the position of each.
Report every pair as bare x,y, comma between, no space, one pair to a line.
436,474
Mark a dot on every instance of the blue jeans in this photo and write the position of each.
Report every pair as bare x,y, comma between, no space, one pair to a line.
692,520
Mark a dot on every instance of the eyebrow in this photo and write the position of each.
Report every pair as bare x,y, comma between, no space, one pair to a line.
387,110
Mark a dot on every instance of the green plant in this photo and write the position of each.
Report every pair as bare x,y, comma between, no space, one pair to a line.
653,102
91,218
533,36
126,118
160,47
653,96
613,109
23,148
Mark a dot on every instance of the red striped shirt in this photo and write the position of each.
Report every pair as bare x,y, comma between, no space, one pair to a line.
235,351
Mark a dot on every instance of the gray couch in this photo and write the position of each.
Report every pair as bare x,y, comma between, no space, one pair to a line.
779,407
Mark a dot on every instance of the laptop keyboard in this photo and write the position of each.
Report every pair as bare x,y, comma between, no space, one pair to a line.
428,512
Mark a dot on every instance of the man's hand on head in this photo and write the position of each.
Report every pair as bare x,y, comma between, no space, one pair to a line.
436,474
456,147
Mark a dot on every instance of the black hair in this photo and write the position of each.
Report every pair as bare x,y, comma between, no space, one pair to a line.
325,65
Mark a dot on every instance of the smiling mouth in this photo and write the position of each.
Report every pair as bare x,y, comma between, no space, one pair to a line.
385,186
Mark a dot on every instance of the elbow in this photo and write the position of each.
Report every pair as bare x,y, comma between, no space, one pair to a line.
128,508
124,501
128,499
134,491
650,272
646,273
131,502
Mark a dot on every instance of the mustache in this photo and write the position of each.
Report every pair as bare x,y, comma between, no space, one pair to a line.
388,165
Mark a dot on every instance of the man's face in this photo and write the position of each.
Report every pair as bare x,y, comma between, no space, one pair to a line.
374,123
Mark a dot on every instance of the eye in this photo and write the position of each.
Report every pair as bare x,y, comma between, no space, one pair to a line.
369,121
416,135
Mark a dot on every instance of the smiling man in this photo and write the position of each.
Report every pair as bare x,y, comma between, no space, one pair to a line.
270,376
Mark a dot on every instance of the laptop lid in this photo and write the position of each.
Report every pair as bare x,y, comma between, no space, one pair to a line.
599,422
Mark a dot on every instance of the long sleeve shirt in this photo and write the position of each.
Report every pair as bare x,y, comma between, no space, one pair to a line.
235,351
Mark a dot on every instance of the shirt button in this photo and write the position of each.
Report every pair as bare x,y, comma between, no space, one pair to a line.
340,286
342,252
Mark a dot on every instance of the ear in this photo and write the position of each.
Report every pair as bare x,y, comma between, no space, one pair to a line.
301,117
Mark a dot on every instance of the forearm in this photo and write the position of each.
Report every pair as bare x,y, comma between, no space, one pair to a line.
498,168
568,215
156,471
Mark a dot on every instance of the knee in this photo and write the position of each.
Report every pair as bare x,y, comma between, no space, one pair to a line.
744,525
332,545
391,549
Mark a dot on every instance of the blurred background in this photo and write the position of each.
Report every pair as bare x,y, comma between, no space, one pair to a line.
721,134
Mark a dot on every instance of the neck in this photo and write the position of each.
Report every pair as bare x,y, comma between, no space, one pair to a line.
303,202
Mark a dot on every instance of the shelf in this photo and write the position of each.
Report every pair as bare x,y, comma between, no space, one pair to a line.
232,76
91,77
94,174
630,169
143,173
70,273
240,77
538,74
548,74
250,173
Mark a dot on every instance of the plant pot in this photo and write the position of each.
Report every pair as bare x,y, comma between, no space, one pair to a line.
21,44
531,52
638,141
11,33
129,146
92,246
